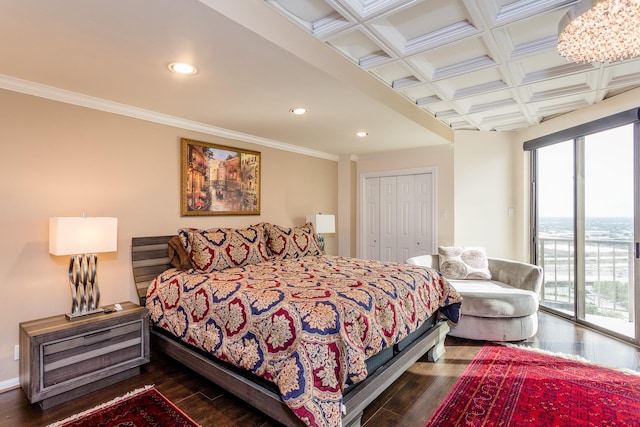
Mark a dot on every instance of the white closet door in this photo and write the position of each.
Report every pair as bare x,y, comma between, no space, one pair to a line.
423,216
388,218
398,220
406,218
371,218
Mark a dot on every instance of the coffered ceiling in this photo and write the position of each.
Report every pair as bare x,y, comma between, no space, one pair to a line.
488,65
409,72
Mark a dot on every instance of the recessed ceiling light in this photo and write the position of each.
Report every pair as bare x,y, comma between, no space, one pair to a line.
362,133
182,68
298,111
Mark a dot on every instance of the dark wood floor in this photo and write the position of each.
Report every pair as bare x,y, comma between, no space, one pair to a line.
408,402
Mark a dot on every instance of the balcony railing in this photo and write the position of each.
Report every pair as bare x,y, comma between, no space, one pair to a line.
608,275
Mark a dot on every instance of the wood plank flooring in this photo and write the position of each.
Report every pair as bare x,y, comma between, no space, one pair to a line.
408,402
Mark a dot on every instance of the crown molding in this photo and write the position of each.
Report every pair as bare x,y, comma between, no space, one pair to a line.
524,8
68,97
426,100
559,92
535,46
481,88
488,106
554,72
329,25
463,67
440,37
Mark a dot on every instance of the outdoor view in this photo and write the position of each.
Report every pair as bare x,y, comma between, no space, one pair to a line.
607,209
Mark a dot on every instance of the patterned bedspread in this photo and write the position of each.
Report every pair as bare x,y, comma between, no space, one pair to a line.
306,324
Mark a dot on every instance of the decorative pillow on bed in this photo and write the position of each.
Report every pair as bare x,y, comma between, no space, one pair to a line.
178,255
220,248
464,263
291,243
264,229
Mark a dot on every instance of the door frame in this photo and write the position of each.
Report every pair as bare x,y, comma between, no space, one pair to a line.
399,172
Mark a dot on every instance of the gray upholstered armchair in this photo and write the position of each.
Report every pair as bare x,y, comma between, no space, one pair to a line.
504,308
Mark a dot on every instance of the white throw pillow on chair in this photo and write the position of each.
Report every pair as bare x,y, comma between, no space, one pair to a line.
464,262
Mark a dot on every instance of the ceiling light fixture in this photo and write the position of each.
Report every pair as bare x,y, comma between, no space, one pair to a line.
600,31
298,111
182,68
362,133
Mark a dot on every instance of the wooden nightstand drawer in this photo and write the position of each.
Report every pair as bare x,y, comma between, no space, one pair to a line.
62,359
75,356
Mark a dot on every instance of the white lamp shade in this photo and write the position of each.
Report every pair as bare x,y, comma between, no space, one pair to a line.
322,223
78,235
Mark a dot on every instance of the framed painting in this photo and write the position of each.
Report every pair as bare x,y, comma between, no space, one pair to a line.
218,180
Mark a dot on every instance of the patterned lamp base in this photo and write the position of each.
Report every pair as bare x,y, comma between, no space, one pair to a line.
85,294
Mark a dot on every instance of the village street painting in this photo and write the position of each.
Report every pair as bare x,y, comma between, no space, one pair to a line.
219,180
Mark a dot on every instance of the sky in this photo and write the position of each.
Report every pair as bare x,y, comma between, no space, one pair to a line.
608,176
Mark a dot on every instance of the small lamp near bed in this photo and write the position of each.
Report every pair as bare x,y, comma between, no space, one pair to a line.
83,238
322,224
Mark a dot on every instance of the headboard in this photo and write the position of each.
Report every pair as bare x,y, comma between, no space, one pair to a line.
149,258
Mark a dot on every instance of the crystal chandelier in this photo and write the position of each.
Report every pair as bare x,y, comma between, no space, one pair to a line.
601,31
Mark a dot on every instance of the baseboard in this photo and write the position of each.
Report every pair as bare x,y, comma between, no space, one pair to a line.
9,384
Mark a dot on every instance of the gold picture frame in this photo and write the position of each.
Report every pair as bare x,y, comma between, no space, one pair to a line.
218,180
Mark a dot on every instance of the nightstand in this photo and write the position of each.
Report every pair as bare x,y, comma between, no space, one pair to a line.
62,359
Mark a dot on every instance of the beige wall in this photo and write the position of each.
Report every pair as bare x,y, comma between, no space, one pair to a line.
346,218
476,183
63,160
482,175
487,167
440,158
616,104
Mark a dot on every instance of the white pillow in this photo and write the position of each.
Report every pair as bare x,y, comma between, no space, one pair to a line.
464,263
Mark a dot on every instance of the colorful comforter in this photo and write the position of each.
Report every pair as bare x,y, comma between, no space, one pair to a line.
307,324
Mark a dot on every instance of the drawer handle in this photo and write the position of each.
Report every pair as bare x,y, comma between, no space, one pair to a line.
106,331
92,337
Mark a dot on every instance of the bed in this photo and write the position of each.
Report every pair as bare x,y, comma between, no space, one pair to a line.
306,338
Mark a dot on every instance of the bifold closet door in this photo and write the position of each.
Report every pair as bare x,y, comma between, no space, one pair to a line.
371,218
415,216
388,218
398,217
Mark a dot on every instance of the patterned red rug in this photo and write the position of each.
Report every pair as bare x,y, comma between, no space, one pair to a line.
144,407
506,386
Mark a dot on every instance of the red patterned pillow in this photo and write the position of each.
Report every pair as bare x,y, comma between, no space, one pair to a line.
220,248
291,243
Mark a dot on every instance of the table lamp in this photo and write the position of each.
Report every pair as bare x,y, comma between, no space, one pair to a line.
322,224
83,238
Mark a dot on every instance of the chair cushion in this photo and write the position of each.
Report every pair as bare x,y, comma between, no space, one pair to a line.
496,329
489,298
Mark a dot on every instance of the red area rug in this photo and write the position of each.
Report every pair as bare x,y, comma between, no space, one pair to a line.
506,386
141,408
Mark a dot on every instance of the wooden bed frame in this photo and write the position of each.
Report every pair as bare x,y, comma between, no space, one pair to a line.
149,258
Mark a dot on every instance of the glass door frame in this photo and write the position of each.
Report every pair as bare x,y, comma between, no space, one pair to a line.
636,227
579,314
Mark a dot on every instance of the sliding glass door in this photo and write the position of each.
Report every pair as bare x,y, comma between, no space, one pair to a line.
584,221
556,226
606,238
